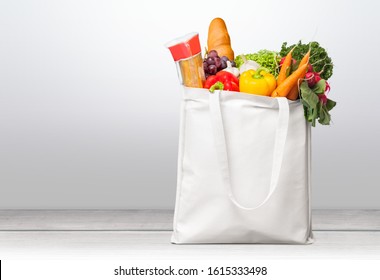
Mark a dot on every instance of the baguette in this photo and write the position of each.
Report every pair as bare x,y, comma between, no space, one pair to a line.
219,39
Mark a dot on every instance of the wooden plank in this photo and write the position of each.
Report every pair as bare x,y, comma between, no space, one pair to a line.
346,220
156,245
86,219
158,220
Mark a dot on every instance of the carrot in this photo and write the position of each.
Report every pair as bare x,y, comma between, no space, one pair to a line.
293,94
305,58
284,67
283,89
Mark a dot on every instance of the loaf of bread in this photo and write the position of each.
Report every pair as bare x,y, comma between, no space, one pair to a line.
219,39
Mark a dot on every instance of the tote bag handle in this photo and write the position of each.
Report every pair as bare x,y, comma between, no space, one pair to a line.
221,147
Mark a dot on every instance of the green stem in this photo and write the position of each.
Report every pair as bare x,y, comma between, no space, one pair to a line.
258,75
217,85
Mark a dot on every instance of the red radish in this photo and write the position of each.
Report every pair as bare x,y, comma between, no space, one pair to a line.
310,69
327,89
322,98
310,78
317,77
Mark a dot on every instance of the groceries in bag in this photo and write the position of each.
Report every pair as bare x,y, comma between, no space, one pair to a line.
297,72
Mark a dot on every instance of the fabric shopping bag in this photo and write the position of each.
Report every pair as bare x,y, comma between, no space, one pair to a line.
243,170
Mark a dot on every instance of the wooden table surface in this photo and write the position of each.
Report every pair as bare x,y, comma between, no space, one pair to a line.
145,234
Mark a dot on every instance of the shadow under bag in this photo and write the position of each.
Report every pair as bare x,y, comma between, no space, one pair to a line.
243,170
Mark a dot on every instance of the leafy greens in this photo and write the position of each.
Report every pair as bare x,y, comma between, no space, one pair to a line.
319,59
266,58
314,108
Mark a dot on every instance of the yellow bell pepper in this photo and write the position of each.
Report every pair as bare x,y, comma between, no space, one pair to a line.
259,82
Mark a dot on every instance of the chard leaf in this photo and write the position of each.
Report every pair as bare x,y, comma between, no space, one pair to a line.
320,87
310,101
330,104
313,108
308,96
324,116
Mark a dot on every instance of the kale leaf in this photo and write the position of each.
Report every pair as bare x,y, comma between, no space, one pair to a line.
319,58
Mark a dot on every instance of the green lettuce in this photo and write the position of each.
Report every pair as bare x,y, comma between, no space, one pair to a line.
266,58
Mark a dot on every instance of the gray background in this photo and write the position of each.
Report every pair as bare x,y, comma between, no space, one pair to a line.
89,97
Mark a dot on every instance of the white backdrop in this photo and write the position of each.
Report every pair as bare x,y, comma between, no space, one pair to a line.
89,96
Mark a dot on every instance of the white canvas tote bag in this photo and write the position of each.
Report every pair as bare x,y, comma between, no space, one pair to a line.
243,170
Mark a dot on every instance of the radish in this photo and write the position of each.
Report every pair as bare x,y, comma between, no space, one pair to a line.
317,77
327,89
322,98
312,78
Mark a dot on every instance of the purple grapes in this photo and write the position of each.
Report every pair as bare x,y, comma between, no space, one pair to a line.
212,53
205,65
218,62
224,64
213,63
212,69
224,58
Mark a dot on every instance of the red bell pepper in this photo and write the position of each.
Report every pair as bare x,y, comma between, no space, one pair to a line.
223,80
227,76
210,81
